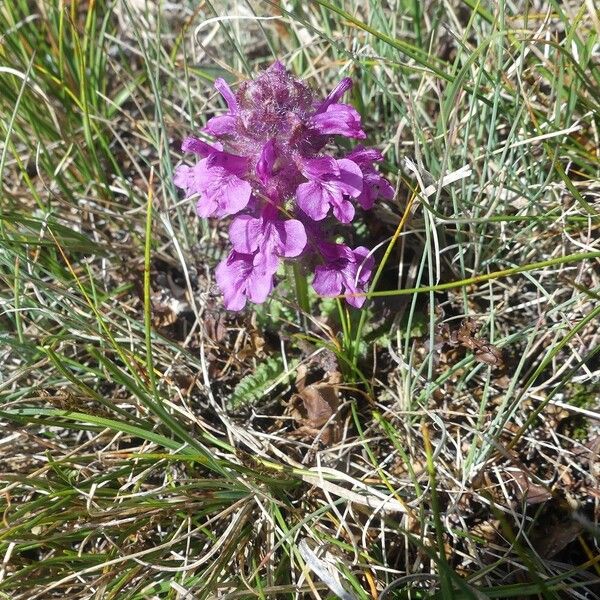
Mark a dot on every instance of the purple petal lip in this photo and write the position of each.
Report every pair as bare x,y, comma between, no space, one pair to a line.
339,119
320,168
331,180
365,262
313,200
245,233
327,282
217,179
363,156
222,194
181,176
230,273
343,211
293,238
375,186
351,178
267,238
345,271
240,280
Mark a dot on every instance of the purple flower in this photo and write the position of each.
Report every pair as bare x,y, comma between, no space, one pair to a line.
240,279
339,119
269,158
374,185
223,124
334,118
345,271
267,238
192,144
336,93
329,180
218,179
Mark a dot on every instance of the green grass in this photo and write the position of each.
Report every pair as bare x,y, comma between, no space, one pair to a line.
143,453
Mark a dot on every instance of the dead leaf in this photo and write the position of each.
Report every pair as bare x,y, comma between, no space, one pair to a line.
524,488
314,405
549,541
464,337
166,309
215,325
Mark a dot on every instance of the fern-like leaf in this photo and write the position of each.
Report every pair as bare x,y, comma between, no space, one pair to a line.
256,385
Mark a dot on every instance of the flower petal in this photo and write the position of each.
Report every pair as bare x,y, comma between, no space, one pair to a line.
343,210
220,125
260,285
356,301
322,168
267,260
338,91
238,278
351,178
264,167
365,263
192,144
232,163
182,177
363,156
339,119
313,200
234,196
231,274
191,179
225,91
327,282
222,193
374,186
385,189
245,234
292,238
207,206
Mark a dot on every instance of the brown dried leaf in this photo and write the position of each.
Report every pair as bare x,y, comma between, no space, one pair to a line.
550,540
166,309
215,325
525,489
464,337
314,405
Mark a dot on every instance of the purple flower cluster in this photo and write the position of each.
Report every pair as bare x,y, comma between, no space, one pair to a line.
268,167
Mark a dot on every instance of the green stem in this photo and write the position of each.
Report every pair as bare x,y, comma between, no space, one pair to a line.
301,289
371,294
560,260
343,316
147,290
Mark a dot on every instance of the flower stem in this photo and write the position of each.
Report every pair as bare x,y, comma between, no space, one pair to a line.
388,250
301,289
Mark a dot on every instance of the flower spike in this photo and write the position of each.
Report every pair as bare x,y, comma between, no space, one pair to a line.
268,168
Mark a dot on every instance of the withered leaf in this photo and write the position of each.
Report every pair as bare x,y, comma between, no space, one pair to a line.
549,541
464,337
525,489
314,405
